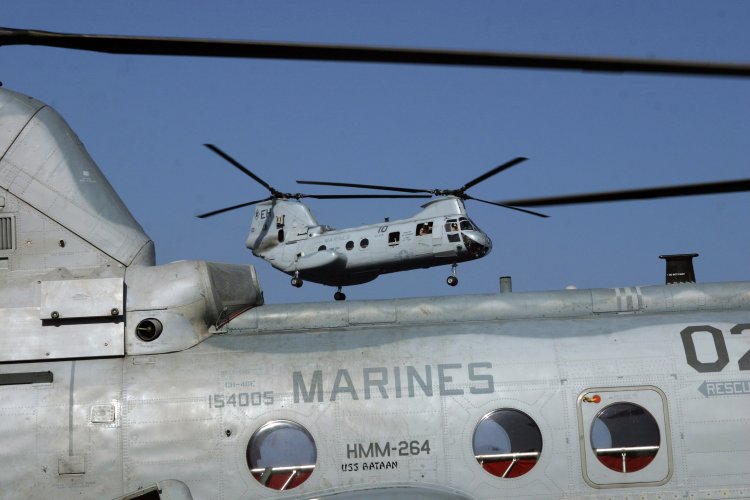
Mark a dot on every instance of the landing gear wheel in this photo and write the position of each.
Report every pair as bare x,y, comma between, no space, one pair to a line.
296,282
453,279
339,295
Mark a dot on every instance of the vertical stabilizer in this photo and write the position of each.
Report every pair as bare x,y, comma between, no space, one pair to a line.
63,211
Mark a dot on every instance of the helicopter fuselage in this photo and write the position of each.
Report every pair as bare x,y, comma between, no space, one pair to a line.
440,234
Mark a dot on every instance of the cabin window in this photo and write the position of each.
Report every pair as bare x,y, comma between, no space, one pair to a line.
451,226
364,243
625,437
281,455
393,238
507,443
321,248
349,245
424,228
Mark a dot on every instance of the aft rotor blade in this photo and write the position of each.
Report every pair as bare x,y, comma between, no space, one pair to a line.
530,212
362,196
227,209
165,46
239,166
494,171
638,194
367,186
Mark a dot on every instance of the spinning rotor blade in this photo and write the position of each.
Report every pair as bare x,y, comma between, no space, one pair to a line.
227,209
240,167
460,192
530,212
368,186
359,196
372,54
734,186
494,171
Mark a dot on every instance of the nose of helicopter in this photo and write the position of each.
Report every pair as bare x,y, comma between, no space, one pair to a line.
477,242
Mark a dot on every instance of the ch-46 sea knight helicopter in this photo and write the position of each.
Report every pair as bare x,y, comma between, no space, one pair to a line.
124,379
285,234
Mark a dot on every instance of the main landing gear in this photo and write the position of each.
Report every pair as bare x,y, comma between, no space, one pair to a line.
296,281
339,295
453,279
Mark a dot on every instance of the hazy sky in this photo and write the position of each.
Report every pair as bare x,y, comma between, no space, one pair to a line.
144,120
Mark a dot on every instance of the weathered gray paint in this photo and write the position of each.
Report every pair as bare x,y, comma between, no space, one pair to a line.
44,164
544,355
122,415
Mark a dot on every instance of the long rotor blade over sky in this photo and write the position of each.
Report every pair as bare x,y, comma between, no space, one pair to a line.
735,186
166,46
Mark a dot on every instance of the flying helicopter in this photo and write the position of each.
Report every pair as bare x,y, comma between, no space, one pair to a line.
285,234
123,379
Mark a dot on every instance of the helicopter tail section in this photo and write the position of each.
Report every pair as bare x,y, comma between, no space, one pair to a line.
56,200
278,221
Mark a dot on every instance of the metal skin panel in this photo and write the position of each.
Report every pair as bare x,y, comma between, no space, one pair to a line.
537,366
25,337
189,415
45,165
82,298
189,298
47,433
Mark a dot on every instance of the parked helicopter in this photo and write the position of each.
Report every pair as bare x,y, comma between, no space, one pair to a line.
123,379
285,234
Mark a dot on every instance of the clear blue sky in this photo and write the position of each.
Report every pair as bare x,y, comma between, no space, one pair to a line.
144,120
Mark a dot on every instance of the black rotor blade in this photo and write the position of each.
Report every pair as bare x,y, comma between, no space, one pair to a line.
494,171
530,212
361,196
227,209
366,186
165,46
637,194
239,166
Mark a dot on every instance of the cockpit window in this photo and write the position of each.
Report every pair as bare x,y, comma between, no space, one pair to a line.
451,226
507,443
466,226
625,437
424,228
281,455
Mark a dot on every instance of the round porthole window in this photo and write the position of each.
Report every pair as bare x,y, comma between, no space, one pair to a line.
625,437
507,443
349,245
281,455
364,243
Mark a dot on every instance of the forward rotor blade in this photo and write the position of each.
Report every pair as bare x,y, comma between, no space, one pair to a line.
734,186
371,54
227,209
494,171
240,167
530,212
361,196
366,186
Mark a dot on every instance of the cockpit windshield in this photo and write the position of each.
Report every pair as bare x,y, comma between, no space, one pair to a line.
466,224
